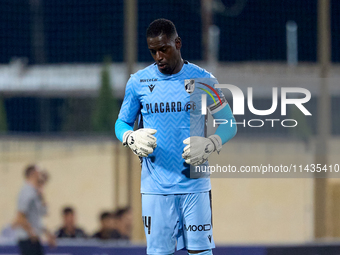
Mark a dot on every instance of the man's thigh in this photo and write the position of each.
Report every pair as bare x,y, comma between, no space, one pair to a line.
197,222
161,221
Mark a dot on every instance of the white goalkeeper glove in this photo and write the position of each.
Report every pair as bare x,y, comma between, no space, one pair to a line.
142,142
199,148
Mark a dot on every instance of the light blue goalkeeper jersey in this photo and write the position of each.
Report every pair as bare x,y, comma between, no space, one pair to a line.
165,105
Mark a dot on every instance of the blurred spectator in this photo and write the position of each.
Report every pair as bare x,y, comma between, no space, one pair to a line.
69,228
107,226
124,223
31,209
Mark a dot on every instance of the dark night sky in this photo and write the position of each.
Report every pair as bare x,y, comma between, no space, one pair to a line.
88,30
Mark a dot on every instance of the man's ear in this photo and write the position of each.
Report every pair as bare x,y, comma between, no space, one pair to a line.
178,42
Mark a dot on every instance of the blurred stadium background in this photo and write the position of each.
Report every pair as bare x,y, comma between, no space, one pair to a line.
64,66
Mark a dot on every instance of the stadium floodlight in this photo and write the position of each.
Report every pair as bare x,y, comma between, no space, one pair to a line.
292,43
213,43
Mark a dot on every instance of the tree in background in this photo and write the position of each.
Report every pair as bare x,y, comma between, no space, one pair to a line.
106,107
3,117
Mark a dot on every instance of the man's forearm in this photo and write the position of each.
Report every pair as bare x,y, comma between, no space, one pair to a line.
121,127
225,131
47,232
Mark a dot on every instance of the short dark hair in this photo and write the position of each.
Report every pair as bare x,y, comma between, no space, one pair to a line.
29,170
105,215
121,211
68,210
161,27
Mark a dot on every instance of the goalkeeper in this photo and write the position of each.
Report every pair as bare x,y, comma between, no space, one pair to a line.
176,209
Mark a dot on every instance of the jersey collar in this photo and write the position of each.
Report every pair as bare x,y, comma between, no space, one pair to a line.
169,76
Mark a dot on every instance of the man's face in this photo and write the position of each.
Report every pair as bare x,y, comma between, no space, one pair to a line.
127,221
69,219
41,179
165,51
108,223
35,175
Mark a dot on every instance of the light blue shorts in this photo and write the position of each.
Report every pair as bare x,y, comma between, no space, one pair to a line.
184,219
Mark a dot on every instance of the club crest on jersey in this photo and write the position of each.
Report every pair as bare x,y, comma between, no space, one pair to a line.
189,85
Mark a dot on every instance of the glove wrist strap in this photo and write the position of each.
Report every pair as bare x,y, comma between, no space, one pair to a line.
125,137
217,141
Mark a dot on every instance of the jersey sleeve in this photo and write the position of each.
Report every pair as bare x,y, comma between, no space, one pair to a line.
220,109
225,131
129,110
217,100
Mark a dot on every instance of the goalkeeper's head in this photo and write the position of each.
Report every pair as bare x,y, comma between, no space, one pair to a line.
165,46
